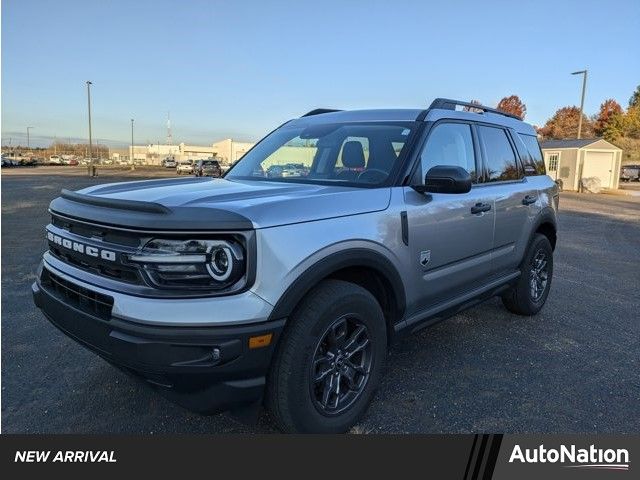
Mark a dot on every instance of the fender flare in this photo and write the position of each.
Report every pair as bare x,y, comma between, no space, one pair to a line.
352,257
546,215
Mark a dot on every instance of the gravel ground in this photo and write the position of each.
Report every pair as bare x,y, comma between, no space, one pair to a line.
572,368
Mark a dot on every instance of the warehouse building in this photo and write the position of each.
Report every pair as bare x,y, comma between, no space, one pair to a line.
569,161
228,151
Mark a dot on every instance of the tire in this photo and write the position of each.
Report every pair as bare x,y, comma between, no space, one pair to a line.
296,402
520,299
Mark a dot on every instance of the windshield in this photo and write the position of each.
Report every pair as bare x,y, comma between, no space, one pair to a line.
355,154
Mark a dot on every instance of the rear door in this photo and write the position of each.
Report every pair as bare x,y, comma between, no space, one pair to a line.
450,235
516,199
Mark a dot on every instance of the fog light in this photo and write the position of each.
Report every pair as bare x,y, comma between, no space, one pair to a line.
215,354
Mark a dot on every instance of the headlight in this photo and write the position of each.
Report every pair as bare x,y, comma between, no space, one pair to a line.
192,264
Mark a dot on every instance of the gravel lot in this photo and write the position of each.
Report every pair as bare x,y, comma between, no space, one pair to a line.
572,368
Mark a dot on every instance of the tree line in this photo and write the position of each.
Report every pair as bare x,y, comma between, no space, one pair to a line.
611,122
614,123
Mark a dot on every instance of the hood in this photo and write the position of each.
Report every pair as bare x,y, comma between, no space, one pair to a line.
265,204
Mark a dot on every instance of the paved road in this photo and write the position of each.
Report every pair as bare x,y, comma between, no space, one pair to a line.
572,368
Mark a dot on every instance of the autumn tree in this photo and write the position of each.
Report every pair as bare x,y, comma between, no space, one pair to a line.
609,109
564,124
634,101
513,105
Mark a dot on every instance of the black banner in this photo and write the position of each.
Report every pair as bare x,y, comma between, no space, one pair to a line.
460,457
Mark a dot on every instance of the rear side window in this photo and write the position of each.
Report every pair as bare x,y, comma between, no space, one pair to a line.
532,158
499,157
449,144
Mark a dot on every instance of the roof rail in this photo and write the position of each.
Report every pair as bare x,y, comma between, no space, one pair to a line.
318,111
448,104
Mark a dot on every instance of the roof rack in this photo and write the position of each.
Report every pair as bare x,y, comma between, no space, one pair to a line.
318,111
448,104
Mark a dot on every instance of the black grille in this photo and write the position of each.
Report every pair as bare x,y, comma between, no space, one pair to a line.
83,299
111,237
106,234
124,273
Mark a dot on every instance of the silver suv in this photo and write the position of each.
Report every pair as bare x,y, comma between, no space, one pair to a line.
288,290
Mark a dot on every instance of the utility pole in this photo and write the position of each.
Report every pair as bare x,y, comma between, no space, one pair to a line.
584,88
132,154
91,168
28,143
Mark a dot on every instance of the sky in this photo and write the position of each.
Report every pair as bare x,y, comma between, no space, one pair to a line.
241,68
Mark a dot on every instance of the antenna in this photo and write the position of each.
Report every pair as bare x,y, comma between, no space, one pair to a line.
169,137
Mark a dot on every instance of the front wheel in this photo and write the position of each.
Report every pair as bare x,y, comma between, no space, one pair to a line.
329,360
530,293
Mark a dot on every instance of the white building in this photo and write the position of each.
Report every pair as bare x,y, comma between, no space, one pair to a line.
569,161
228,150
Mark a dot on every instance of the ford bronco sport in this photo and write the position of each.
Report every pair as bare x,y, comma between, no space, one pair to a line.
287,291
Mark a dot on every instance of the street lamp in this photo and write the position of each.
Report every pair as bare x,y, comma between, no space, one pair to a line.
584,87
132,154
28,143
91,170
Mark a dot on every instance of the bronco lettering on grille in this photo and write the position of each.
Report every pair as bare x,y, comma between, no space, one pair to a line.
81,248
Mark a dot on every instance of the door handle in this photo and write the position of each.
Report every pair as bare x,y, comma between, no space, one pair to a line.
529,199
480,207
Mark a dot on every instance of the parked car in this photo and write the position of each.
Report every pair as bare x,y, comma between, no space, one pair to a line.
288,291
185,166
207,168
169,163
29,162
6,162
56,160
630,173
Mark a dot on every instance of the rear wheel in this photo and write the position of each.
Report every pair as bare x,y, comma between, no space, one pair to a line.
529,295
329,360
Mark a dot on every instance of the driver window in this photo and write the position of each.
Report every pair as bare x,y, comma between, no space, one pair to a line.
449,144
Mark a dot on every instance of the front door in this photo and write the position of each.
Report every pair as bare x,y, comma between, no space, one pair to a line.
450,235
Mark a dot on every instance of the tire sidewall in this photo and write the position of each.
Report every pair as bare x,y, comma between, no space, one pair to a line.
540,242
305,413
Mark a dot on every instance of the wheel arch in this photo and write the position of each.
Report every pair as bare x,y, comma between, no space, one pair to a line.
546,225
364,267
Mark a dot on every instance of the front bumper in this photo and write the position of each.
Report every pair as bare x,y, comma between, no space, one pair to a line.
179,361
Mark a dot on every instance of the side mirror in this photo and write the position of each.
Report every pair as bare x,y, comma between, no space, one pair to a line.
445,179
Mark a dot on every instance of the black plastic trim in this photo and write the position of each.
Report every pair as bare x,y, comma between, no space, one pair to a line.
135,205
178,361
449,104
319,111
405,227
150,219
353,257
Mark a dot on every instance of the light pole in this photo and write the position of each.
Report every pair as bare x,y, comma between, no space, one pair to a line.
28,142
584,87
132,154
91,170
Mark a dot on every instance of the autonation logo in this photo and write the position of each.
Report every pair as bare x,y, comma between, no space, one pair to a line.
574,457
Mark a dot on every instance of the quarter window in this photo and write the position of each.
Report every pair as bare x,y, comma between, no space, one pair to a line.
533,158
500,160
449,144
